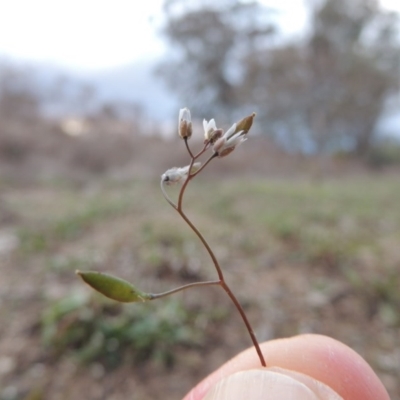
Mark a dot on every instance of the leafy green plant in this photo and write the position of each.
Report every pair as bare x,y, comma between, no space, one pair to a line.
96,330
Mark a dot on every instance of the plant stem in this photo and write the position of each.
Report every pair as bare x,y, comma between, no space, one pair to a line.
154,296
204,242
225,286
172,204
182,191
245,320
188,148
204,165
221,282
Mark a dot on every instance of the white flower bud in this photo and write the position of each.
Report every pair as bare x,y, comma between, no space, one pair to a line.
211,133
185,123
227,143
209,128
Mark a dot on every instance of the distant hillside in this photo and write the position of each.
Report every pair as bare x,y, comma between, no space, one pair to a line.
138,83
134,83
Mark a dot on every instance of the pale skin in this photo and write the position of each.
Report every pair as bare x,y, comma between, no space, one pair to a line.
305,367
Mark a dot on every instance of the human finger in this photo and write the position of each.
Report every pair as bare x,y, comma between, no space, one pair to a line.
320,357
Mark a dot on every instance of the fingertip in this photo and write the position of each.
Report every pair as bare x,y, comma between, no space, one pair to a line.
319,357
329,361
270,384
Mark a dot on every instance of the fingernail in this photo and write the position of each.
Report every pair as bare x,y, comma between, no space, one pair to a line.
269,384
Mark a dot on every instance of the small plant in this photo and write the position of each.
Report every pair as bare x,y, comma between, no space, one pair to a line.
221,144
110,333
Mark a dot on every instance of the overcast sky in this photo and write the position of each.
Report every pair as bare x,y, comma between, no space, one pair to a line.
98,34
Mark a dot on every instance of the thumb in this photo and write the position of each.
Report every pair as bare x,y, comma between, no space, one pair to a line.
270,384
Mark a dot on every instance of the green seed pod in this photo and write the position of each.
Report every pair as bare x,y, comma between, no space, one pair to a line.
113,287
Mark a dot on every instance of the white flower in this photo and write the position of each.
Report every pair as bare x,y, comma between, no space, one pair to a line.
209,128
185,123
227,143
176,175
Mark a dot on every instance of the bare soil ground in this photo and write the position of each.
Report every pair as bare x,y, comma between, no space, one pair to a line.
302,254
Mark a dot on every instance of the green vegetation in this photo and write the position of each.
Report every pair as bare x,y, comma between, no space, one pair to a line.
92,329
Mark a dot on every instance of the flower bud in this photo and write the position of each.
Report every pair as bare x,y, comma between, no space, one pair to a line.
219,144
225,152
215,135
211,133
227,143
185,123
245,124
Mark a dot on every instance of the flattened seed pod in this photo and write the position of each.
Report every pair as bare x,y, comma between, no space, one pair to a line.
113,287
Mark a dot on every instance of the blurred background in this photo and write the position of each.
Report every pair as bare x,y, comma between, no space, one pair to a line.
304,217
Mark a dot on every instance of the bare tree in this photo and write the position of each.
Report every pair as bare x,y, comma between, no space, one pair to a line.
355,48
210,40
329,92
324,93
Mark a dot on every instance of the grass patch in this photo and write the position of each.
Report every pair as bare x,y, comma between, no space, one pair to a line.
92,329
